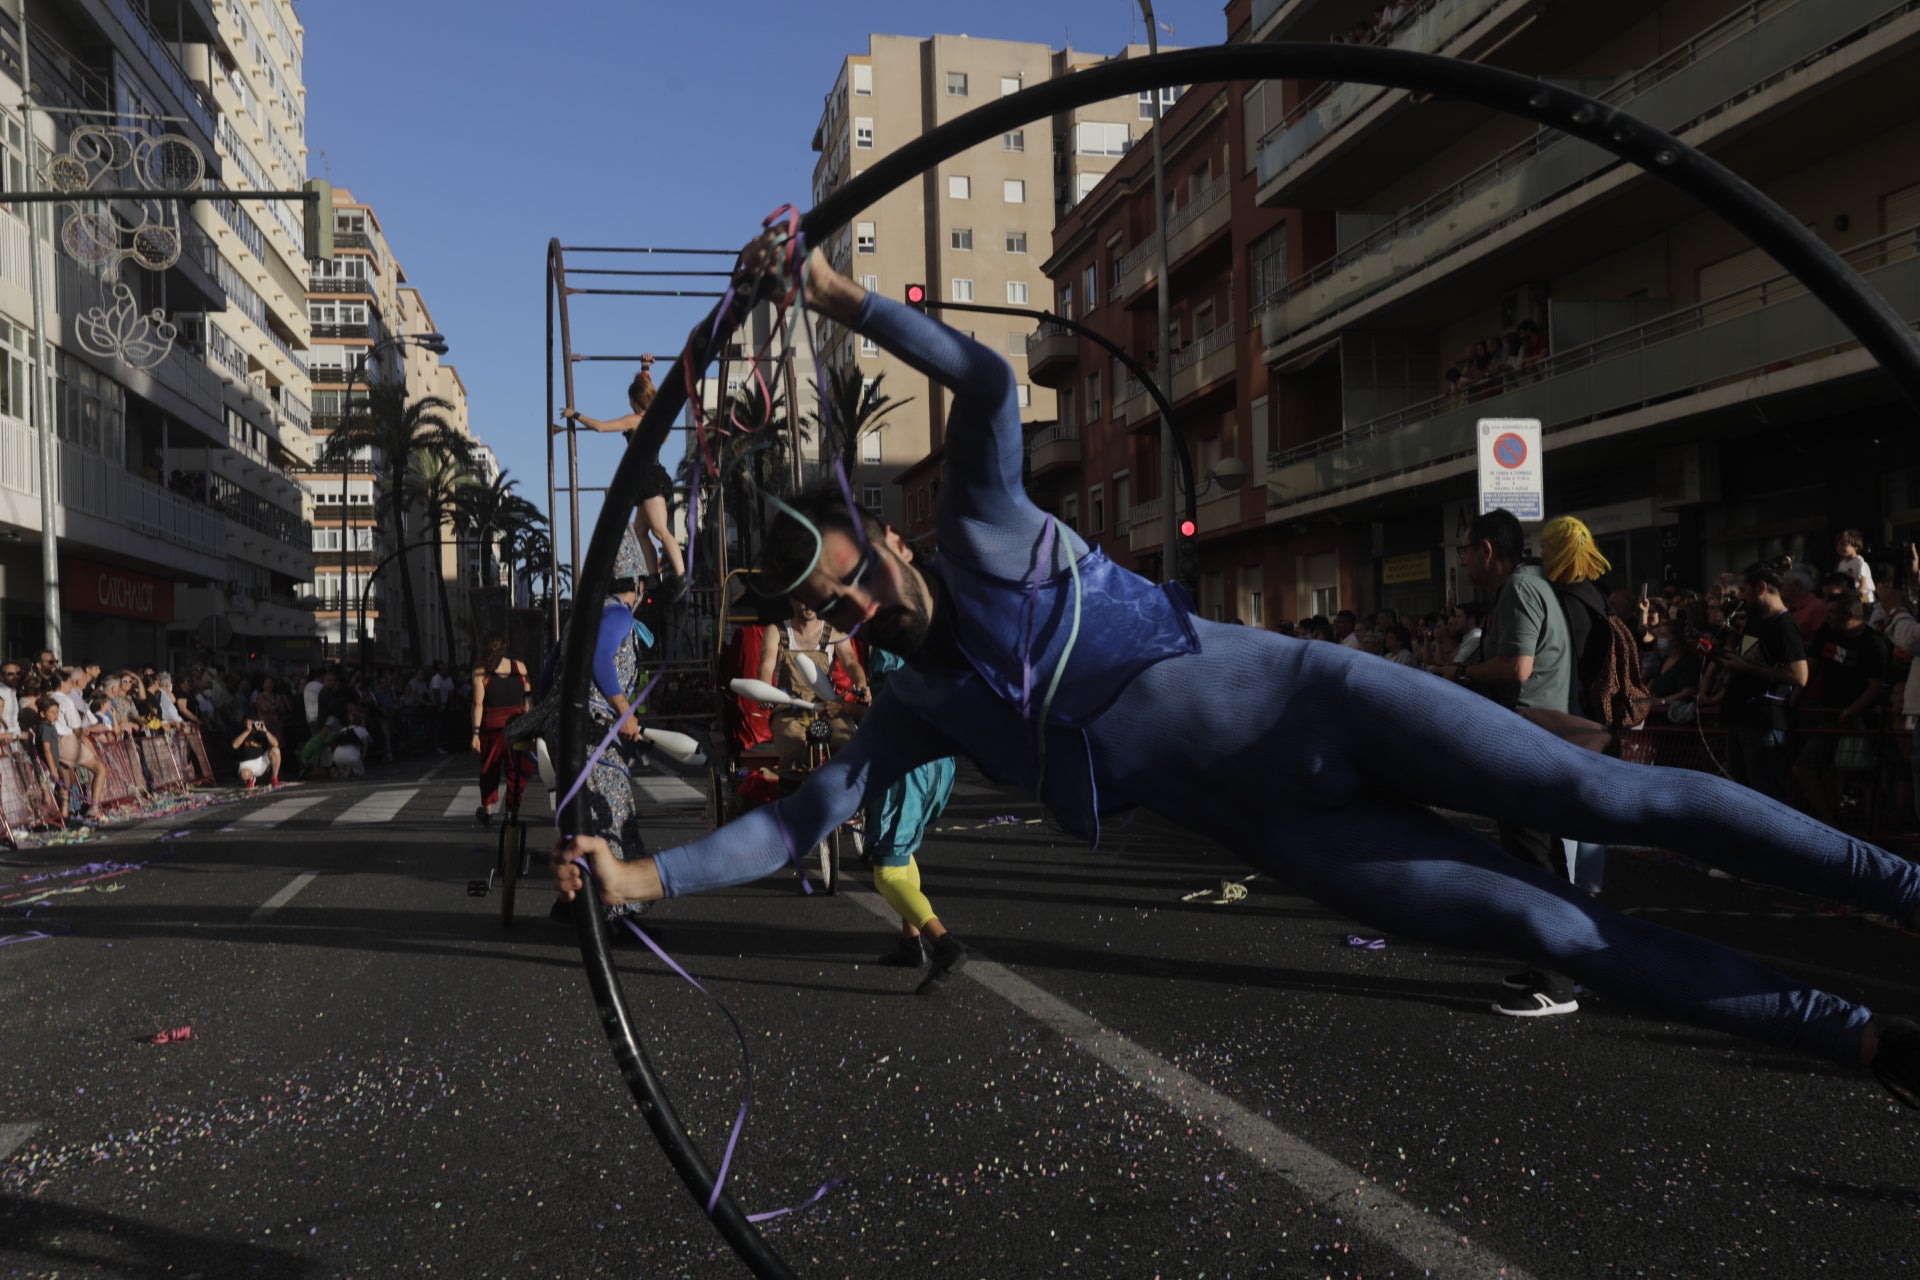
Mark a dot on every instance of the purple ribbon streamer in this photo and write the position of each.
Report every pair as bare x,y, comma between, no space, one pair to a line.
1366,944
746,1074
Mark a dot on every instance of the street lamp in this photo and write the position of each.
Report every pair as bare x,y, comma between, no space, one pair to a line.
1163,307
433,342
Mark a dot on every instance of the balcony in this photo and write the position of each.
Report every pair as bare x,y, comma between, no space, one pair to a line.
352,240
92,488
1052,448
1141,523
341,284
1728,63
126,20
1191,226
1049,348
362,332
1741,341
1132,405
1201,365
1332,106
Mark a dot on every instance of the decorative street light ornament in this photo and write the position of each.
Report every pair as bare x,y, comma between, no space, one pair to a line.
101,235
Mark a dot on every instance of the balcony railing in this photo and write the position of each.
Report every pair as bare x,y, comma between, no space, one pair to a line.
1220,337
352,240
341,284
1334,103
107,491
361,330
1740,335
19,456
1202,201
154,46
1723,65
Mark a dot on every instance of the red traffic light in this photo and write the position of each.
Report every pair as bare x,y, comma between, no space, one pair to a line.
916,295
1188,528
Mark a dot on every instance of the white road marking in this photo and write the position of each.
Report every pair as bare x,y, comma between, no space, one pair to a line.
1423,1238
534,803
278,812
466,800
665,792
12,1135
282,898
381,806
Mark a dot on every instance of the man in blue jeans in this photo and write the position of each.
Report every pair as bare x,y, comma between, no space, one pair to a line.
1053,669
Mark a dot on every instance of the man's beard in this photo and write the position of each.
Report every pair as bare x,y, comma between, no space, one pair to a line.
902,629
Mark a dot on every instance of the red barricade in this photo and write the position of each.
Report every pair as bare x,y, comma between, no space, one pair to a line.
190,754
26,796
121,783
161,765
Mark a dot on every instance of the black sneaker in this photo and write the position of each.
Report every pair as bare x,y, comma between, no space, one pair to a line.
906,953
947,955
483,816
1549,999
1524,980
1897,1062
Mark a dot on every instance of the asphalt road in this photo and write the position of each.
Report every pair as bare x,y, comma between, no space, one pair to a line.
381,1080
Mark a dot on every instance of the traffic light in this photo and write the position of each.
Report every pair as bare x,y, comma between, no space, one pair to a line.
316,220
1186,555
916,295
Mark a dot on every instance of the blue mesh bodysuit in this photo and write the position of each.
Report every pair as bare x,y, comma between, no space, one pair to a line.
1270,746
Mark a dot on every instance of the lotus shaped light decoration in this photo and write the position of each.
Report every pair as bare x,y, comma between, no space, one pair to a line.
120,331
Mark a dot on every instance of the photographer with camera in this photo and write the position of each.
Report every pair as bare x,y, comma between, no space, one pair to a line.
259,754
1766,664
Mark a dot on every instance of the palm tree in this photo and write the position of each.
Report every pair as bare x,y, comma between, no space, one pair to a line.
396,429
489,512
857,405
438,480
754,457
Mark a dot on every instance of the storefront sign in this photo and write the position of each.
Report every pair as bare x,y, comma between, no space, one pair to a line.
1415,566
1512,472
95,588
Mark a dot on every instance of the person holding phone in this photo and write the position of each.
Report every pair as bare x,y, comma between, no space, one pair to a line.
1767,667
260,754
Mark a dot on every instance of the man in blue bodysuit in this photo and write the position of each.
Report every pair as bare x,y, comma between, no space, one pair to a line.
1054,669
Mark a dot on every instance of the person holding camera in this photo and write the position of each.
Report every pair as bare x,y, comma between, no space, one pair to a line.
259,754
1766,667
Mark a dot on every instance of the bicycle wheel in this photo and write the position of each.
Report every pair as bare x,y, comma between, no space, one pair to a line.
512,842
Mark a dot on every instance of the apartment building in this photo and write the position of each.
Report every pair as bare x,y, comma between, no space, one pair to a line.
1098,466
973,230
1699,409
174,501
353,309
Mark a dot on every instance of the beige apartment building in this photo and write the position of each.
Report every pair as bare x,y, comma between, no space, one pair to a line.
1699,409
972,230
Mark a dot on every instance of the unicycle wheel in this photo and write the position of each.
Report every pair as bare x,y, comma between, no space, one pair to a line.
513,843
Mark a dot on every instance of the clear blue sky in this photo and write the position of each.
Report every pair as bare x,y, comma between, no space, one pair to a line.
480,131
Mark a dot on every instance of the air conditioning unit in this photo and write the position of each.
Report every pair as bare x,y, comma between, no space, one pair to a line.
1686,476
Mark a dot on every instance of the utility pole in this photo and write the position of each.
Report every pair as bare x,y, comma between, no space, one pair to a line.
42,400
1168,441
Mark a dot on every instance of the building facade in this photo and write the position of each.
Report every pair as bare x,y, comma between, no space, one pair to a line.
975,229
1699,409
178,525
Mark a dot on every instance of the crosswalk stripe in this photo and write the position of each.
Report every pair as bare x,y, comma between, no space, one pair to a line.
381,806
279,811
533,804
664,792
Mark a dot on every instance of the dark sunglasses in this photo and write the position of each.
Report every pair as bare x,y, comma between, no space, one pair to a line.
838,603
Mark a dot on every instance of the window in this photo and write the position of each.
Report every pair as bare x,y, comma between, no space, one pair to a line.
1015,141
1096,139
962,290
1096,509
956,84
868,347
1009,85
960,239
1016,242
1023,394
870,446
863,79
1083,185
870,283
1064,401
1267,261
863,132
1167,98
863,237
1070,511
959,187
1066,302
1016,293
870,497
1014,191
1092,285
1093,396
1017,345
1203,319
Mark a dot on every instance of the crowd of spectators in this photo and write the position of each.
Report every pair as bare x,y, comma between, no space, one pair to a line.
1378,28
1829,711
256,728
1492,365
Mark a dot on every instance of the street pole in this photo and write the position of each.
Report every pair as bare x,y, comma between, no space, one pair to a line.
1164,307
346,533
41,399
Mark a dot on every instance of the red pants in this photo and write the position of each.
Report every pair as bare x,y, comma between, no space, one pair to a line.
496,757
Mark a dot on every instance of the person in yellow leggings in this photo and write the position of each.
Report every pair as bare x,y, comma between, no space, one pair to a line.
896,823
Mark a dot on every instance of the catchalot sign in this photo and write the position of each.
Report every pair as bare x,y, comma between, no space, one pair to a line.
97,588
